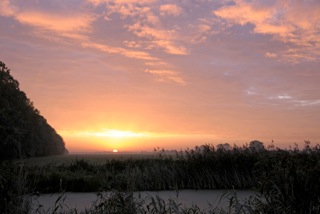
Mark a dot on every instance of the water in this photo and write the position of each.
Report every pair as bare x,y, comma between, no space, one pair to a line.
202,198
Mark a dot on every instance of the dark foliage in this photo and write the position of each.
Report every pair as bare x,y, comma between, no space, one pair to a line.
23,131
286,181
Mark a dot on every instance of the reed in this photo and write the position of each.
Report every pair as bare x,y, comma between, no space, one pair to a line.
287,180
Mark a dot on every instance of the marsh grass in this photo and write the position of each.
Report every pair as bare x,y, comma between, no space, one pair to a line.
287,180
116,202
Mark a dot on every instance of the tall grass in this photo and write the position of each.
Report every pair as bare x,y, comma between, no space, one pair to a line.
116,202
287,180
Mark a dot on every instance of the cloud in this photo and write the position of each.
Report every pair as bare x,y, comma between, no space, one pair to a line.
57,22
170,9
171,48
159,38
243,12
280,97
295,22
270,55
155,64
71,25
122,51
307,103
97,2
78,25
141,19
132,44
166,75
138,55
203,29
6,9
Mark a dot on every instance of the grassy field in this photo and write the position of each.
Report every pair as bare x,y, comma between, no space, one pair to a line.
96,158
288,180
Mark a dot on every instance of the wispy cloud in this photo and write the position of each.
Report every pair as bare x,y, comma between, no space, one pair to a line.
307,102
295,22
78,26
170,9
122,51
147,24
71,24
65,25
6,9
167,75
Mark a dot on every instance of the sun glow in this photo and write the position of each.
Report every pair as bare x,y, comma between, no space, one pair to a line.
107,139
113,133
124,140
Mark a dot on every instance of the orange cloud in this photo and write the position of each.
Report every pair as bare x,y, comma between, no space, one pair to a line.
78,27
154,64
67,25
138,55
203,28
132,44
122,51
243,13
295,22
170,47
56,22
141,2
167,75
270,55
170,9
159,38
6,9
202,31
147,26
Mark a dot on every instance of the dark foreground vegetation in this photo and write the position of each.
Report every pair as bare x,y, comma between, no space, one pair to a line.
23,131
287,181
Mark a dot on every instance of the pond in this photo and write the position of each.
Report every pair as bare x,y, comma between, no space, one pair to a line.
202,198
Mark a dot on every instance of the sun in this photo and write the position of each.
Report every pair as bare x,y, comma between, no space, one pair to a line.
115,151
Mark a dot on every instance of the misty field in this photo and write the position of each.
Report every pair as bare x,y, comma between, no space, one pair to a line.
94,158
286,181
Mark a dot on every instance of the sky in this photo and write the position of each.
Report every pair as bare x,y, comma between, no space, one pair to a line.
134,75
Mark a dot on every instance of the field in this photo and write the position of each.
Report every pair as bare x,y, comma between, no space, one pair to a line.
97,158
287,180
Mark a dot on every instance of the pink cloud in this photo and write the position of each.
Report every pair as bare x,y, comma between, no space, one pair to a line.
147,25
71,25
56,22
243,12
270,55
97,2
132,44
159,38
167,75
138,55
132,1
170,9
6,9
122,51
156,64
170,47
202,30
295,22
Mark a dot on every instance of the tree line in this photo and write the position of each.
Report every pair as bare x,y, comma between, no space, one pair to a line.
24,132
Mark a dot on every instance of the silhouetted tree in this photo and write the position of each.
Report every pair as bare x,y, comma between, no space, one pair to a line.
23,131
256,146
